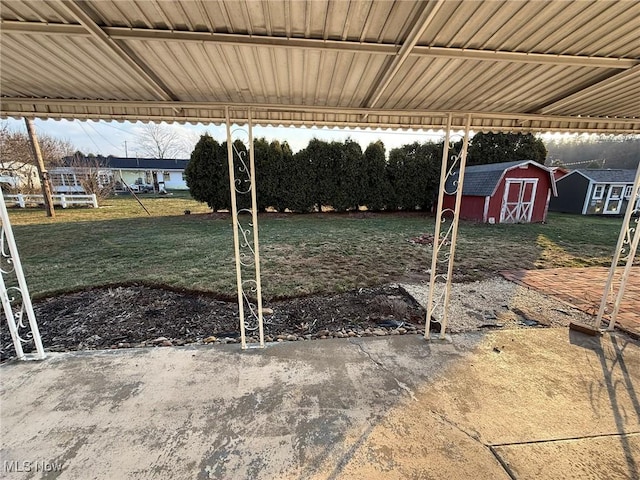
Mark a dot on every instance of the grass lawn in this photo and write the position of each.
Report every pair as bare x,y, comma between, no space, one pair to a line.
301,254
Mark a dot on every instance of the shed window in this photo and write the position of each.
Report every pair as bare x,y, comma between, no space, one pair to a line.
598,192
627,191
166,176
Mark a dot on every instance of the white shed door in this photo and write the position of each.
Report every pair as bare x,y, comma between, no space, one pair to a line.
518,200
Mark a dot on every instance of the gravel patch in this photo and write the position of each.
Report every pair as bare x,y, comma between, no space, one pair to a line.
498,303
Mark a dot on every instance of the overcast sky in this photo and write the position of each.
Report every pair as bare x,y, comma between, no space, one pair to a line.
108,138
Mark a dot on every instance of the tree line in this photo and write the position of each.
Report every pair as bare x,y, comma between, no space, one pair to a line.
595,151
339,174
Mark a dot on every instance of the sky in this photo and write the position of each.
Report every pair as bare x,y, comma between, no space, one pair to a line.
108,138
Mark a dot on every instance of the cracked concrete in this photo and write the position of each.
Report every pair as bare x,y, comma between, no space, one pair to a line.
549,404
402,385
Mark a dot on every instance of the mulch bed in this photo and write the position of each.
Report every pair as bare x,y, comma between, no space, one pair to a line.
146,316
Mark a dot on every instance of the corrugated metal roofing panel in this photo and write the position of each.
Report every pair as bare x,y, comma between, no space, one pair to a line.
455,84
81,69
354,20
35,11
616,96
541,26
206,72
413,57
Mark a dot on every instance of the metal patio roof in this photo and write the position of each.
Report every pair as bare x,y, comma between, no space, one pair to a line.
514,65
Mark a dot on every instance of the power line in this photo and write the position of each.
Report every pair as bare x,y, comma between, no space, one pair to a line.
108,124
103,137
585,162
89,136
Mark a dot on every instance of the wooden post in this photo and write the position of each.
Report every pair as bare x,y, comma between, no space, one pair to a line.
44,175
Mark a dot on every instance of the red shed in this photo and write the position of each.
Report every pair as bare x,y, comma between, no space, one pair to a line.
511,192
559,172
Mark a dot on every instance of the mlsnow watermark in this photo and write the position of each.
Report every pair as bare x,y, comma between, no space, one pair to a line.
22,466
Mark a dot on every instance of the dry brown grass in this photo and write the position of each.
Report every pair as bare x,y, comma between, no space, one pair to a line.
301,254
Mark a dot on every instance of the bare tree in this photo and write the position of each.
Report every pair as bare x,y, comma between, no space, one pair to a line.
15,147
161,141
92,176
16,152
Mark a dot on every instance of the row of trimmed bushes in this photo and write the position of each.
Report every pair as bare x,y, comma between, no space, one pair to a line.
336,174
340,174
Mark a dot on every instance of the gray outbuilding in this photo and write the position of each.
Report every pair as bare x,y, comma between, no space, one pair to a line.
594,192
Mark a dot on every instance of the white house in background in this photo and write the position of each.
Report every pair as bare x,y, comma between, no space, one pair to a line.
159,173
19,176
154,173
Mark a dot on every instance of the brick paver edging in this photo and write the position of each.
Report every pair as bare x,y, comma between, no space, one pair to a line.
582,288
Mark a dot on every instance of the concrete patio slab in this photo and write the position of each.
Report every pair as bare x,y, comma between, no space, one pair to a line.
576,458
484,406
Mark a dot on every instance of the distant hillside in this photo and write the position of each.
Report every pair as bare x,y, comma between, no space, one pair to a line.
596,152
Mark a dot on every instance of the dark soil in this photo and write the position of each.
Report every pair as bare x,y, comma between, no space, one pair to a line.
139,315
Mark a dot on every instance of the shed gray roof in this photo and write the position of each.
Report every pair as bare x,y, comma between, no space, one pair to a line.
481,180
609,175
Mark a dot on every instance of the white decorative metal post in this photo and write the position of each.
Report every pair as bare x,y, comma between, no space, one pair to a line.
245,234
16,295
446,238
625,250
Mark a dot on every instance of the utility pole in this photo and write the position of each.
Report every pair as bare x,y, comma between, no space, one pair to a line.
44,175
126,152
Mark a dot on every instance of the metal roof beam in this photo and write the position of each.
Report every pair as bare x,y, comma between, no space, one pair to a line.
115,49
123,33
260,107
423,20
524,57
14,26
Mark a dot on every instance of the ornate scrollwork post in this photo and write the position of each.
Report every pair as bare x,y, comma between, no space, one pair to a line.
439,305
18,296
245,233
625,250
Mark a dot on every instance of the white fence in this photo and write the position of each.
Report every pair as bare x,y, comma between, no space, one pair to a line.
63,201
